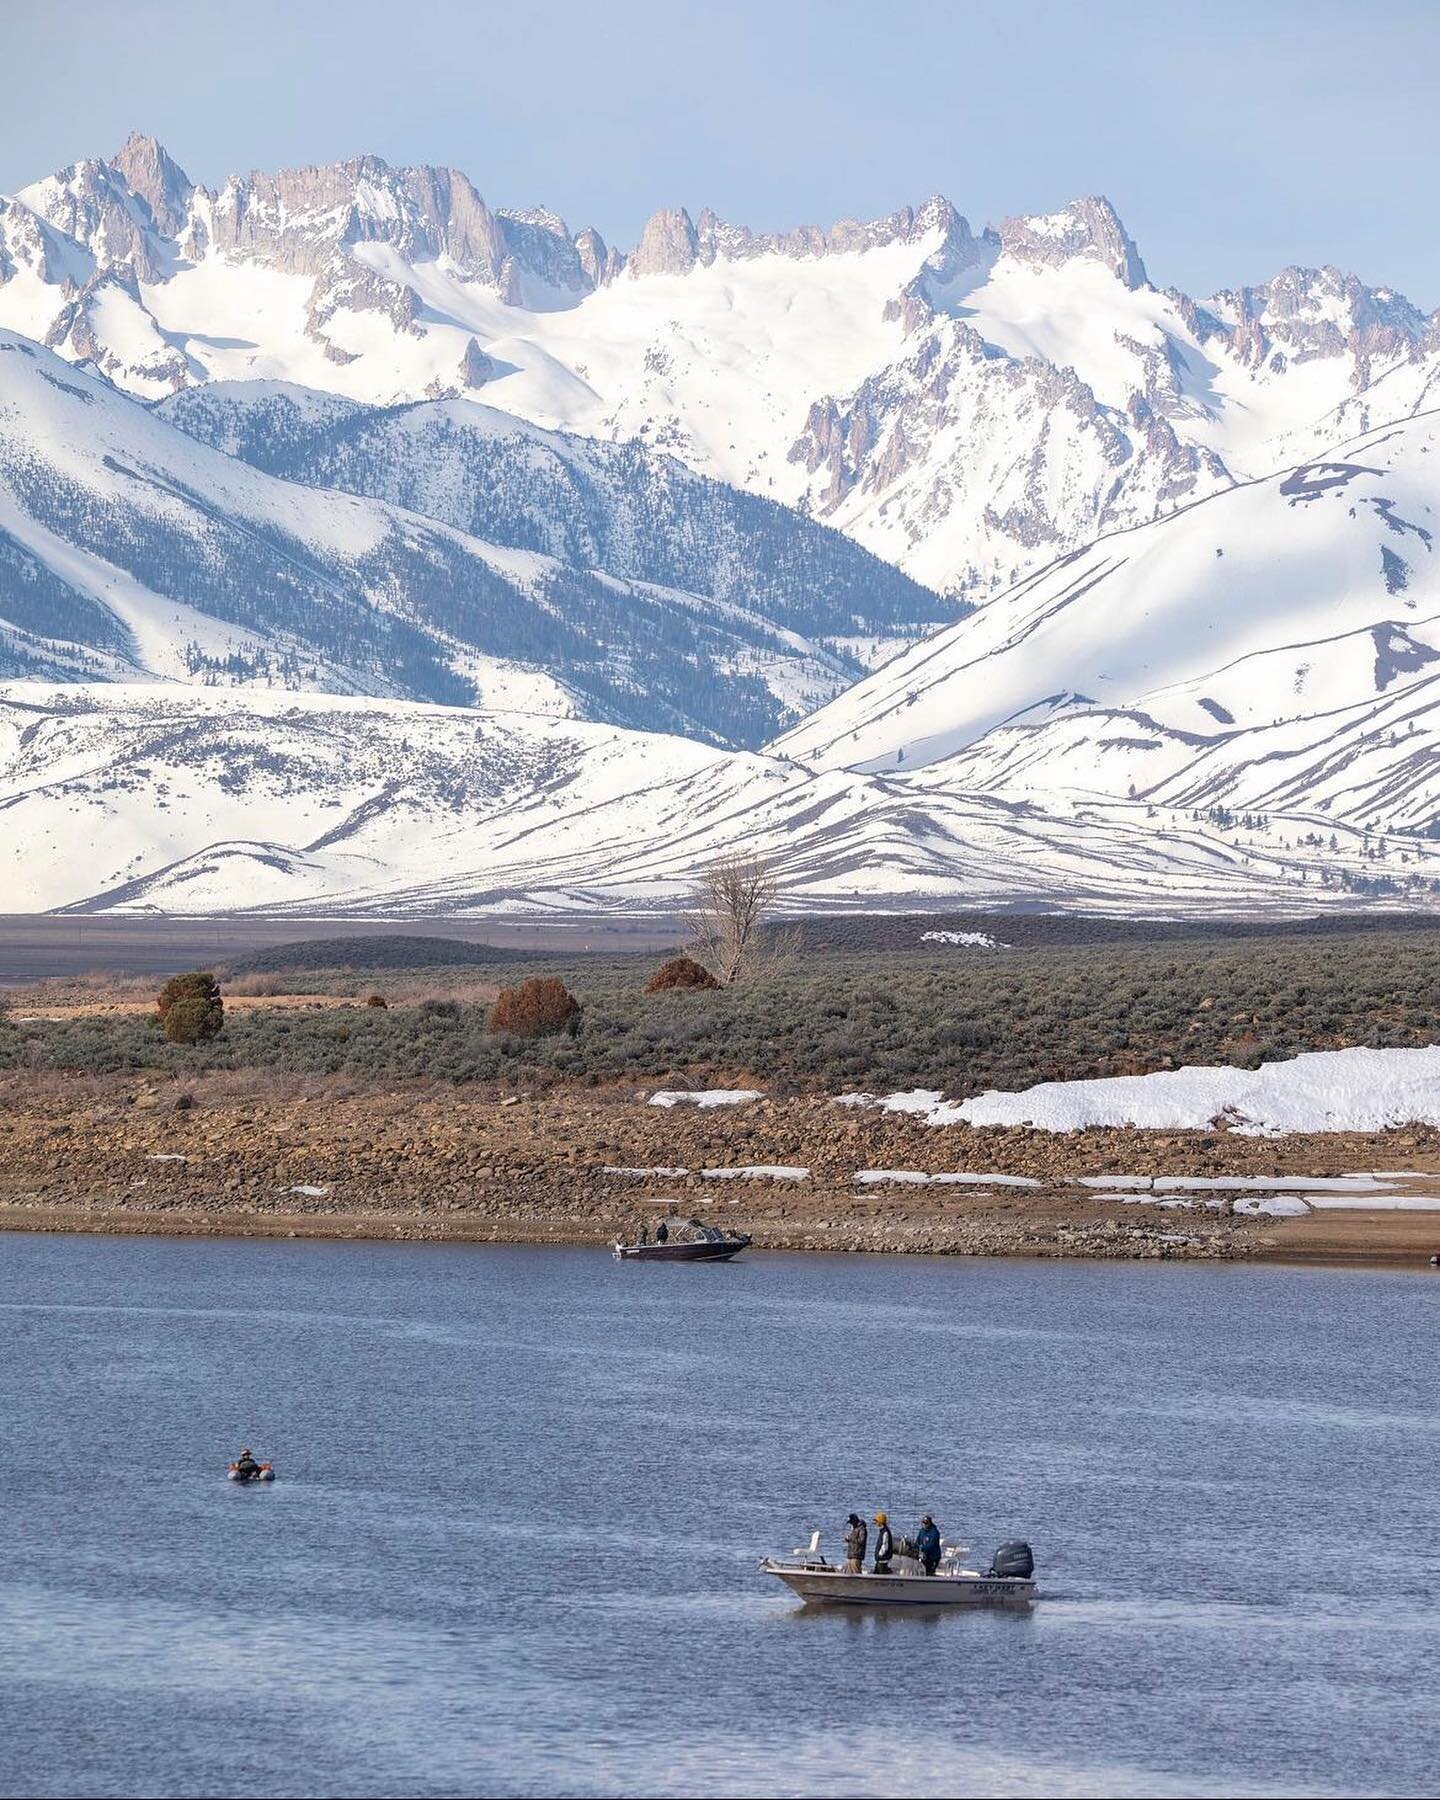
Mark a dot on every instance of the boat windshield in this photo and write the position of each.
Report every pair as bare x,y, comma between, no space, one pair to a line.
694,1231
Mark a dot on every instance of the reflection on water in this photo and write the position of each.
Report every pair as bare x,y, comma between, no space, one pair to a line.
523,1493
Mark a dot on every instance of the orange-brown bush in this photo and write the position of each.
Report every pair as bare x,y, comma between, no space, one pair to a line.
680,972
377,1000
536,1008
190,1007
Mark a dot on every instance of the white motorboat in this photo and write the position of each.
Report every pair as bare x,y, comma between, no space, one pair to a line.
1010,1580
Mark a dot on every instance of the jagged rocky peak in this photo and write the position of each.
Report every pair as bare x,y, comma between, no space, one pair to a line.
716,240
296,219
476,368
147,361
1304,313
1088,229
460,224
91,203
152,174
669,244
598,263
26,241
539,245
959,258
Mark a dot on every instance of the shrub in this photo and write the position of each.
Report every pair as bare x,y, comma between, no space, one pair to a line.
184,1102
377,1000
440,1009
535,1008
190,1007
258,986
680,972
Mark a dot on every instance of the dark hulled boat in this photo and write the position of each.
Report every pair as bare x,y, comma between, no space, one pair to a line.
686,1241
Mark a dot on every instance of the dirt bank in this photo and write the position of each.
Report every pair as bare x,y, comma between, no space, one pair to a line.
251,1157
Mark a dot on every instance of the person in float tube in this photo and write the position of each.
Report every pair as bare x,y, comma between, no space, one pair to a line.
855,1544
884,1545
927,1543
246,1466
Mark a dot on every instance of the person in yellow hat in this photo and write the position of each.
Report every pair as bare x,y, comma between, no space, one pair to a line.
884,1545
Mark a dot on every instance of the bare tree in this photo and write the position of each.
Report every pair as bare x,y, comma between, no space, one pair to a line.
727,917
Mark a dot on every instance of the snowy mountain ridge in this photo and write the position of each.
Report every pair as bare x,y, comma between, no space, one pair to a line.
1273,649
129,548
966,404
316,451
199,800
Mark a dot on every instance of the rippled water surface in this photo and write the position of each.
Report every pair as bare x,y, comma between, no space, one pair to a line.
522,1494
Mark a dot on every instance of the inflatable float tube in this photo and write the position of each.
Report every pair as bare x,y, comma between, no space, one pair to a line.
264,1473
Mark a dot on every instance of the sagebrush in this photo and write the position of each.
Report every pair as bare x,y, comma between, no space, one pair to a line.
950,1018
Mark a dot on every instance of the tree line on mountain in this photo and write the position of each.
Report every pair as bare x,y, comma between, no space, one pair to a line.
618,507
392,620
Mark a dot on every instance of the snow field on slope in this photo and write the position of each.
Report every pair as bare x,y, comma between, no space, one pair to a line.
199,800
1154,615
741,350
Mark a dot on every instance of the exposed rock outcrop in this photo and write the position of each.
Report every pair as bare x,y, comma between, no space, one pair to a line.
1086,228
669,244
152,175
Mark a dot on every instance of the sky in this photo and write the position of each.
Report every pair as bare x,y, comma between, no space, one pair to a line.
1232,138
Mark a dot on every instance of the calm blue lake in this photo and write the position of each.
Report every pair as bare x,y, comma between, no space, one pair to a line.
522,1494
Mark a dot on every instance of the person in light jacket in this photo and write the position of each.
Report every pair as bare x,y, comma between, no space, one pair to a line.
927,1543
855,1544
884,1545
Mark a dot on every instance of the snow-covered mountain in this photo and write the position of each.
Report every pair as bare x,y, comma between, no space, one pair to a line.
316,451
619,507
966,404
128,548
195,800
1273,649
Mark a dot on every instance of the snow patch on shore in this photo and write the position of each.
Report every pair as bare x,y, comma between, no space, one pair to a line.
758,1172
920,1177
705,1097
1323,1090
1372,1203
1275,1206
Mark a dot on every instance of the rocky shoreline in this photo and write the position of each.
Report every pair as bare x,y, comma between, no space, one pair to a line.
231,1155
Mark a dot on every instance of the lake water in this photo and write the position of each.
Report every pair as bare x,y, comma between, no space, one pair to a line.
522,1493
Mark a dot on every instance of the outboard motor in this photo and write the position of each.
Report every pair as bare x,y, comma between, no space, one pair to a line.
1013,1560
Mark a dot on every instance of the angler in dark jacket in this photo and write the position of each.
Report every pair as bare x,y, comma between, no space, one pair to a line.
855,1538
884,1545
927,1544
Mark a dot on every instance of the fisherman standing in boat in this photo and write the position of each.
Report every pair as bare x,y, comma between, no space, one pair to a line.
927,1544
855,1544
884,1545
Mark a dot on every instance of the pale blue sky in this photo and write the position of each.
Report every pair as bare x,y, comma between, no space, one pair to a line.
1233,138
